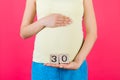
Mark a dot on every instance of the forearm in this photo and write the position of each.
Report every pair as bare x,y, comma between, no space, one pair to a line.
87,46
31,29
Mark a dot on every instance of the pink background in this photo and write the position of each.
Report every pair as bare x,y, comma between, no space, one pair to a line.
16,54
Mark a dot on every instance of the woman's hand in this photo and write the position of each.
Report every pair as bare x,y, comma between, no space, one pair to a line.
72,65
55,20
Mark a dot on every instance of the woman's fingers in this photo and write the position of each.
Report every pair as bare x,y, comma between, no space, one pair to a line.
62,18
63,21
50,64
60,24
56,20
57,65
71,65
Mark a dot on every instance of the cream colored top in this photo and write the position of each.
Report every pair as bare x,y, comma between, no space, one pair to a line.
61,39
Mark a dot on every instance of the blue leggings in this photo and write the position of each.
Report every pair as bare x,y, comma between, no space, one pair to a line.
42,72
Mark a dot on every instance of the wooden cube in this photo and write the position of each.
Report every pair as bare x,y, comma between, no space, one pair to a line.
63,58
54,58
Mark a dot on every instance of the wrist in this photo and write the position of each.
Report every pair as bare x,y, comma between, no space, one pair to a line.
41,21
78,61
42,26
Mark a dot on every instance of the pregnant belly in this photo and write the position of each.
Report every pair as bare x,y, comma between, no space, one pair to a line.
57,41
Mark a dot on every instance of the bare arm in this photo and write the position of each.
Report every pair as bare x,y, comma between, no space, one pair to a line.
28,28
91,31
91,36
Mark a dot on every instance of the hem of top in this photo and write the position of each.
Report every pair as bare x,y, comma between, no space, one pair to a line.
40,61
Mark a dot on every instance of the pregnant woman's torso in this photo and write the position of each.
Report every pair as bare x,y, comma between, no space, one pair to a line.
59,40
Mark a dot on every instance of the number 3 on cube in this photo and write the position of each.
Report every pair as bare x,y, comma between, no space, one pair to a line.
54,58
